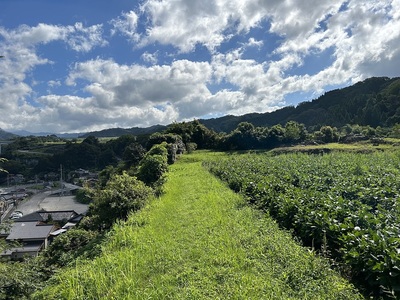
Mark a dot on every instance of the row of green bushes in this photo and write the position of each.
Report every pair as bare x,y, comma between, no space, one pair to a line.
344,205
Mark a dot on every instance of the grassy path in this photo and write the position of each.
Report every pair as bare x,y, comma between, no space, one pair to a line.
199,241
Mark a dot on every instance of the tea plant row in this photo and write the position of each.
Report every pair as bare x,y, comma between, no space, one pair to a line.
344,205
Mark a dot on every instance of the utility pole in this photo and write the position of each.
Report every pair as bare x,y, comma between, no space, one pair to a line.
61,181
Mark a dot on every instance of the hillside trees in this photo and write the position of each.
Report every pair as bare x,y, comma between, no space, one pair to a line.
275,136
90,154
172,142
120,144
395,132
194,132
335,108
133,154
243,137
19,280
246,136
82,155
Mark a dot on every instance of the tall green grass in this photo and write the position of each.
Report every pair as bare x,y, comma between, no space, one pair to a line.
199,241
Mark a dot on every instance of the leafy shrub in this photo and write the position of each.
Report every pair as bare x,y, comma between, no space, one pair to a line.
18,280
84,195
68,246
190,147
154,165
121,195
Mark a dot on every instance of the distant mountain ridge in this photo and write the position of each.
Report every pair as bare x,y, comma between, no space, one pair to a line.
61,135
111,132
4,135
115,132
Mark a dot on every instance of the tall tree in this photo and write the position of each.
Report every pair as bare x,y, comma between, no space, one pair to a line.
294,132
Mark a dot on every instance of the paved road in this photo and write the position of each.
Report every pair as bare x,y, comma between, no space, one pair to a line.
32,203
44,200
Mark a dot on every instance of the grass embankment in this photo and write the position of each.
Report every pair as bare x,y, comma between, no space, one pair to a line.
199,241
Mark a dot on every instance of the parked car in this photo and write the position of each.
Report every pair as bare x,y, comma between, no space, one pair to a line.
16,215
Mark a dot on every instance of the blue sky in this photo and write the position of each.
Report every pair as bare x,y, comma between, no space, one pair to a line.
76,66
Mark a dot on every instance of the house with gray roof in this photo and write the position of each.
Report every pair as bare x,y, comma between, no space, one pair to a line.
31,237
33,232
59,216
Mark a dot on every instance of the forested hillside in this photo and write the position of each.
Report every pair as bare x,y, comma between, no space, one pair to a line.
113,132
374,102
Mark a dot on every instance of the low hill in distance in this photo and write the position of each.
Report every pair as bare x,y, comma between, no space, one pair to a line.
4,135
116,132
61,135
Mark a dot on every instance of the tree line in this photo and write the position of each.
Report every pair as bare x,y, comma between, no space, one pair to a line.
38,156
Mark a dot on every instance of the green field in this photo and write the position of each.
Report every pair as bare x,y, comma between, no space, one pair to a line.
345,205
199,240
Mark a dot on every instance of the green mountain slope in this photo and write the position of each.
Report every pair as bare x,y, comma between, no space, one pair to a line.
199,241
374,101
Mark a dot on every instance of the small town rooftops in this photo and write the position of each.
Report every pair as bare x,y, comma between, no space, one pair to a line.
29,231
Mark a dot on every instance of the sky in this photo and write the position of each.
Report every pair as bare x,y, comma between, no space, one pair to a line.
85,65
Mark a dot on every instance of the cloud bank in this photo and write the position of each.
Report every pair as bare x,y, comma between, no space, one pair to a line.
190,59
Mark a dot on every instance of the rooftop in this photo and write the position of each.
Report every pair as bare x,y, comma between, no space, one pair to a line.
29,231
44,216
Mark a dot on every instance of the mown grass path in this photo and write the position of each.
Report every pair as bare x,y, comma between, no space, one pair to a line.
200,241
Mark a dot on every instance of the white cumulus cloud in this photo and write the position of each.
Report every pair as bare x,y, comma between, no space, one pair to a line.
193,58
